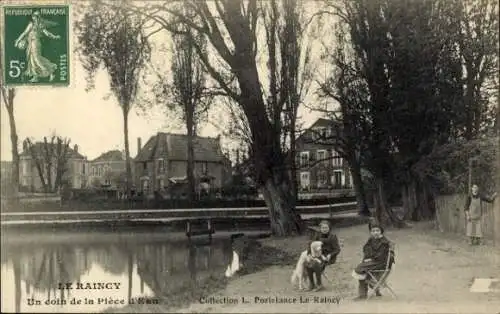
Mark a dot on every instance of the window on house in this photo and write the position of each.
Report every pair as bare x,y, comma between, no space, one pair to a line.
328,132
322,133
305,181
304,159
204,168
322,179
161,165
336,159
321,155
144,166
145,186
337,179
83,168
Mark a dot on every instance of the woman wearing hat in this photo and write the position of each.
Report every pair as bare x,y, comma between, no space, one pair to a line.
375,253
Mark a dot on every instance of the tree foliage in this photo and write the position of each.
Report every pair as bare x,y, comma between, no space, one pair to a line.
399,78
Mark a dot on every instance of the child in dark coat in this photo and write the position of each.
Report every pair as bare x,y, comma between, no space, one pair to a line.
375,254
330,248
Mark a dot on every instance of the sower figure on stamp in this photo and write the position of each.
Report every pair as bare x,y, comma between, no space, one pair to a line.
37,65
474,212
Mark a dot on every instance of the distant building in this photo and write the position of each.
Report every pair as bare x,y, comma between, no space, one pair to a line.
319,165
163,162
75,175
108,170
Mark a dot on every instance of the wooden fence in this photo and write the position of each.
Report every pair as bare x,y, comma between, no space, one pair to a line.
451,216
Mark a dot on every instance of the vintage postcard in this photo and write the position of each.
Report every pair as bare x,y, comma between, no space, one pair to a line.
248,156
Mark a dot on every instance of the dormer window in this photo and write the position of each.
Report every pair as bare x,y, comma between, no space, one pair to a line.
318,133
322,133
328,132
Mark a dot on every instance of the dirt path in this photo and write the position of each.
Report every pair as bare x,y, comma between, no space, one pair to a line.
433,274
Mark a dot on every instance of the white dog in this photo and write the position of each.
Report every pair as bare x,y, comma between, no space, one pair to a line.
299,275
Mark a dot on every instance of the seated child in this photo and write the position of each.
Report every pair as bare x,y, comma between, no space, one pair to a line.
330,248
375,253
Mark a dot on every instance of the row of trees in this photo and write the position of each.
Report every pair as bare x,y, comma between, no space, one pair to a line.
406,77
409,79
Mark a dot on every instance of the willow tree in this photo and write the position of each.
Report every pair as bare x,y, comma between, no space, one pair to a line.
111,38
231,29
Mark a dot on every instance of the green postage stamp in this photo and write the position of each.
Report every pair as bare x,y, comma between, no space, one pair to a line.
36,45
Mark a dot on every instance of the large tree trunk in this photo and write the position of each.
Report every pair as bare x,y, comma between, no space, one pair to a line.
49,153
411,200
128,167
383,211
190,156
360,190
293,170
266,151
470,106
283,217
15,151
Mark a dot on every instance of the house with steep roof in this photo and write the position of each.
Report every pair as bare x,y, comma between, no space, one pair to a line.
319,165
108,170
74,175
162,162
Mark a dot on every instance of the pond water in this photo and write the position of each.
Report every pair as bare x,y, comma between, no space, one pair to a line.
102,270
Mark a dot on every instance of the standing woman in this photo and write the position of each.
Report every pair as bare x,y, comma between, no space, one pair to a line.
474,212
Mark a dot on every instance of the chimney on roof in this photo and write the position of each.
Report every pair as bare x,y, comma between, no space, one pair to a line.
75,148
139,145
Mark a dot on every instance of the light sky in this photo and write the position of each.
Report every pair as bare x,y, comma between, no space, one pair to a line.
92,120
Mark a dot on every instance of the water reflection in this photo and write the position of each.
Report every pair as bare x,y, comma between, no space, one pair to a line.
141,269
